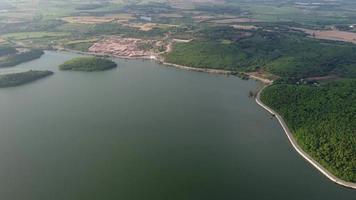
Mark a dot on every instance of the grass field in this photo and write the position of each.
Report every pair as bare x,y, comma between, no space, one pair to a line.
34,35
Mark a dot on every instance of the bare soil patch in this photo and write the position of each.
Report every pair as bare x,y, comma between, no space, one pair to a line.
335,35
262,76
244,27
149,26
124,47
322,78
97,20
234,20
170,15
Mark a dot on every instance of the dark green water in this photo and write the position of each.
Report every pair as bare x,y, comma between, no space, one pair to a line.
144,131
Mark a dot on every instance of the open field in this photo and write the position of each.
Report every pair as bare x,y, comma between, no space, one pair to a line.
245,27
98,19
80,45
234,20
88,20
33,35
149,26
330,35
17,16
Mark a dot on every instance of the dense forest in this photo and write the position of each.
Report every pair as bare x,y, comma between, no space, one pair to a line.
125,31
16,79
88,64
323,120
283,53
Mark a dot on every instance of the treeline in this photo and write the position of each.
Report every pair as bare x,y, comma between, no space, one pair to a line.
15,59
323,121
283,53
117,29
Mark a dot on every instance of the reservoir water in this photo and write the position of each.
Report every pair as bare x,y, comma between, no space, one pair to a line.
146,132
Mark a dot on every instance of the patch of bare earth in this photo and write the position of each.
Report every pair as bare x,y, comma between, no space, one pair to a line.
262,76
322,78
123,47
149,26
97,20
244,27
234,20
170,15
203,17
335,35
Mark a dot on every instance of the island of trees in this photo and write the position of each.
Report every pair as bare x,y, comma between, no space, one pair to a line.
88,64
16,79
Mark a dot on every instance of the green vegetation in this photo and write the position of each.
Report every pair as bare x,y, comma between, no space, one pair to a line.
320,115
7,50
15,59
33,35
283,53
89,6
80,46
16,79
41,25
322,120
206,54
88,64
125,31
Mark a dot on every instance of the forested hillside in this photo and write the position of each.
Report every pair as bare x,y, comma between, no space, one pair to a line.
283,53
323,120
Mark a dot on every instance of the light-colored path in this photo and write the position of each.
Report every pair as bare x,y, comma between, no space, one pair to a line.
299,149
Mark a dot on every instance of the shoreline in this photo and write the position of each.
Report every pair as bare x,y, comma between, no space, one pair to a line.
266,83
167,64
299,150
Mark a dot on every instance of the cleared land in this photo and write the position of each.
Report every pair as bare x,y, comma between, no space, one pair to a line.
123,47
330,35
235,20
149,26
245,27
98,19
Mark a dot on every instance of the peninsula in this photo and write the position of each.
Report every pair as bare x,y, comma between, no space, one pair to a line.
21,78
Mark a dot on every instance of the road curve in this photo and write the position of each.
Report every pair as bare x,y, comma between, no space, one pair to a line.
299,149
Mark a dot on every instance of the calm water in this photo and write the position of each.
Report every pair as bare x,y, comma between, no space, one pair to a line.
144,131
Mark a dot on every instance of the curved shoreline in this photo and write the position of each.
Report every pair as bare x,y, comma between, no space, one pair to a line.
267,82
301,152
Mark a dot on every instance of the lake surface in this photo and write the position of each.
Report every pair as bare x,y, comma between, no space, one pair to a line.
144,131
